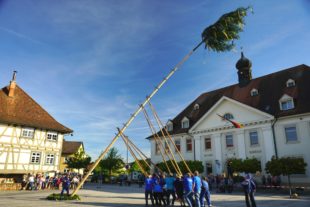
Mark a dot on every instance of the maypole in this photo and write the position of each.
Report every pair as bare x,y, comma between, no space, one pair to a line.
217,37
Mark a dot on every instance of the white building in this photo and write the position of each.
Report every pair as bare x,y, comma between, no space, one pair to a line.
274,110
30,138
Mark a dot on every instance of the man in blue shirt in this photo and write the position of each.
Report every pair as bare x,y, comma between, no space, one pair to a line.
149,189
188,189
170,188
205,192
65,184
196,188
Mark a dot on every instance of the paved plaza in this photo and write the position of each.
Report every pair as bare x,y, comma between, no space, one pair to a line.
117,196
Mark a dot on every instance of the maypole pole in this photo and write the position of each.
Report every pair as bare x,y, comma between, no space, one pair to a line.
217,37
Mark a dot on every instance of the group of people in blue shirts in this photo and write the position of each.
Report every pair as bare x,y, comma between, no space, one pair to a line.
189,188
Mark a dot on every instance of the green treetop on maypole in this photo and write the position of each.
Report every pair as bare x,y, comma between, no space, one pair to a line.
220,36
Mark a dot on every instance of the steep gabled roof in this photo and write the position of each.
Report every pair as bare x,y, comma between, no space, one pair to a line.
71,147
270,88
22,110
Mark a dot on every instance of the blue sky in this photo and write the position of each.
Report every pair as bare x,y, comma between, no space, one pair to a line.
90,63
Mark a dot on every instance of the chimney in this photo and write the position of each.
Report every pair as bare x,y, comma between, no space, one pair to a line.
12,84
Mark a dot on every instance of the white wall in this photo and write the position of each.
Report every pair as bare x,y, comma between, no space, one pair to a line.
15,151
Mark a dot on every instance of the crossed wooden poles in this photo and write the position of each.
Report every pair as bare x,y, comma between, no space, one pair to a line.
133,116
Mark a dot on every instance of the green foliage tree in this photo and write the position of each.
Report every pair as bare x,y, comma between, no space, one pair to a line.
286,166
112,162
135,166
79,160
249,165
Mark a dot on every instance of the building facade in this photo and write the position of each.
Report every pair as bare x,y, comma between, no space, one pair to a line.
273,109
30,138
68,150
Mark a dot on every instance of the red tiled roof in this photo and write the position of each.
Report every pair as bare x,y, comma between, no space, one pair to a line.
22,110
70,147
270,88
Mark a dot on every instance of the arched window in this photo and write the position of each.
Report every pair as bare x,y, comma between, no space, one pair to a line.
228,116
286,102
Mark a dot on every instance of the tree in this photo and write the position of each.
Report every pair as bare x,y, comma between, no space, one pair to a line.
135,166
249,165
79,160
286,166
112,162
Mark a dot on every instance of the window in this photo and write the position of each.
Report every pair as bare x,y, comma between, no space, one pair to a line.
287,105
189,145
52,136
291,134
290,83
27,133
157,149
178,144
196,106
207,143
185,123
169,126
50,159
254,92
228,116
253,138
229,140
35,157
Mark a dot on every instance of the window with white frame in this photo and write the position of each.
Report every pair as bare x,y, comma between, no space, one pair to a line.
253,138
52,136
229,140
185,123
50,159
290,83
169,126
286,103
28,132
35,157
208,145
178,144
189,145
291,134
254,92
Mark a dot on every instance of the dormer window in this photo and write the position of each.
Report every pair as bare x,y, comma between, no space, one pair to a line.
290,83
185,123
196,106
169,126
286,102
254,92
